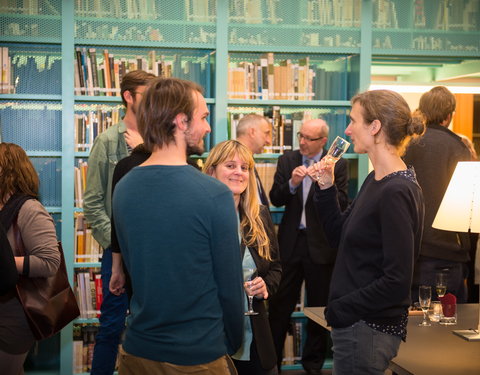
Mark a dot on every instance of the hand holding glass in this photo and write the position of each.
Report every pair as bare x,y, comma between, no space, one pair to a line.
424,298
249,274
335,152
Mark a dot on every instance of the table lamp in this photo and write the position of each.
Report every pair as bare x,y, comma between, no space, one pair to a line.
460,212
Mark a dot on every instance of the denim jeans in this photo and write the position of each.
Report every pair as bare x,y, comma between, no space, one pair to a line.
361,350
112,323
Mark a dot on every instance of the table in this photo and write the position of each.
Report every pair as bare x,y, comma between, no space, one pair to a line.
431,350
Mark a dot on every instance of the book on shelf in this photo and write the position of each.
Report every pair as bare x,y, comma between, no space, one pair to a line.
6,71
87,249
293,346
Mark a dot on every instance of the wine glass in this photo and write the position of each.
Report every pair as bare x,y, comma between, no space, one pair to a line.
441,283
248,275
335,152
424,297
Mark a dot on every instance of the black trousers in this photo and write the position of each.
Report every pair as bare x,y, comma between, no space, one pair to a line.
253,367
317,282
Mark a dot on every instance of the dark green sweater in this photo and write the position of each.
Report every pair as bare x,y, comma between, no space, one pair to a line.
177,229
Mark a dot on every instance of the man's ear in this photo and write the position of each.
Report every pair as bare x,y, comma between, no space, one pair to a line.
127,95
375,127
251,131
181,121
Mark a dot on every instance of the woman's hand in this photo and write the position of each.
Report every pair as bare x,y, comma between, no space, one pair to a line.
322,172
117,283
256,288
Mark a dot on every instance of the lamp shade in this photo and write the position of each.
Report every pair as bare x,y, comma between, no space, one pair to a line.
460,207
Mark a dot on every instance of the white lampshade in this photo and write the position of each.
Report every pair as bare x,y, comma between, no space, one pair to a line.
460,207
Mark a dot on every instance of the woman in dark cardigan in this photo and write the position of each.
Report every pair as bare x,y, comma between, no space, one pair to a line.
232,163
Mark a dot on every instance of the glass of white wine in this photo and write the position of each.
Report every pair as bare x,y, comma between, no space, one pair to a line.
249,274
335,152
424,299
441,283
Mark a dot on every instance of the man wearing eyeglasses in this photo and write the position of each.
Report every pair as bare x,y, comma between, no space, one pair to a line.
304,250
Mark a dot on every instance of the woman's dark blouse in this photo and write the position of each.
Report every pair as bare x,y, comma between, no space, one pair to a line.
378,239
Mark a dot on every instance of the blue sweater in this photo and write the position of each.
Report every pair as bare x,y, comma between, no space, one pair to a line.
177,229
378,238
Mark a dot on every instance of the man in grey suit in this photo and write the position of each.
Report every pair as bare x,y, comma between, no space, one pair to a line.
304,251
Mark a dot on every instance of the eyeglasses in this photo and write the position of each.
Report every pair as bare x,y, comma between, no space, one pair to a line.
300,136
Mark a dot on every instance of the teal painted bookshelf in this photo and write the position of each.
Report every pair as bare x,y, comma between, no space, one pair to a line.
39,103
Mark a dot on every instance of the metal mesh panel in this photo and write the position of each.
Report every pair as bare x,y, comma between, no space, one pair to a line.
171,21
435,26
34,69
290,24
57,220
35,126
42,19
50,173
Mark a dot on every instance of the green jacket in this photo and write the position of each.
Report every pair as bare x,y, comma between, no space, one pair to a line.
109,148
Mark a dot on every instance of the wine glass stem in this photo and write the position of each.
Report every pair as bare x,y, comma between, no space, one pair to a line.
250,303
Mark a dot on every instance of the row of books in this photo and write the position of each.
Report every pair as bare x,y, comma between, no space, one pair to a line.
100,73
129,9
254,11
22,73
285,126
83,345
49,171
90,122
458,15
88,290
87,249
338,13
31,7
287,79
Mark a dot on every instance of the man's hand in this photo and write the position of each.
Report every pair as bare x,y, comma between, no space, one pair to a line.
133,138
298,174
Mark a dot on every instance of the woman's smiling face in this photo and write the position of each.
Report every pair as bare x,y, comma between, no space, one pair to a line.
234,173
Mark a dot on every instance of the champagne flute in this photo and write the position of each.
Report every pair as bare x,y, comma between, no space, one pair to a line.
424,298
441,283
248,275
335,152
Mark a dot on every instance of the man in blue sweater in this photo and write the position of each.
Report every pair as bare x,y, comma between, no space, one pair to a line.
177,230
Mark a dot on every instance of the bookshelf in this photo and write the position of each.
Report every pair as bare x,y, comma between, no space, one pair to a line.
40,39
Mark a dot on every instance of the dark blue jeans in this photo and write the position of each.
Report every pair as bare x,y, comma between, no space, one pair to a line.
361,350
112,323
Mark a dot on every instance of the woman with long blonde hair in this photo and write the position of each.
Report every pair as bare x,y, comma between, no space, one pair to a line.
232,163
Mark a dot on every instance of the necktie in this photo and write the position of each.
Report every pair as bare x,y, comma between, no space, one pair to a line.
306,184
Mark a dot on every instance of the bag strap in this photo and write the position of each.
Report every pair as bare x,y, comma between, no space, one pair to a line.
17,239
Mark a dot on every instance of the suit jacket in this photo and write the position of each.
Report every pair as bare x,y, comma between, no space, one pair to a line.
319,250
271,272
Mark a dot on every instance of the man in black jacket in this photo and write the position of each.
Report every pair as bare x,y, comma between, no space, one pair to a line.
434,157
304,251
